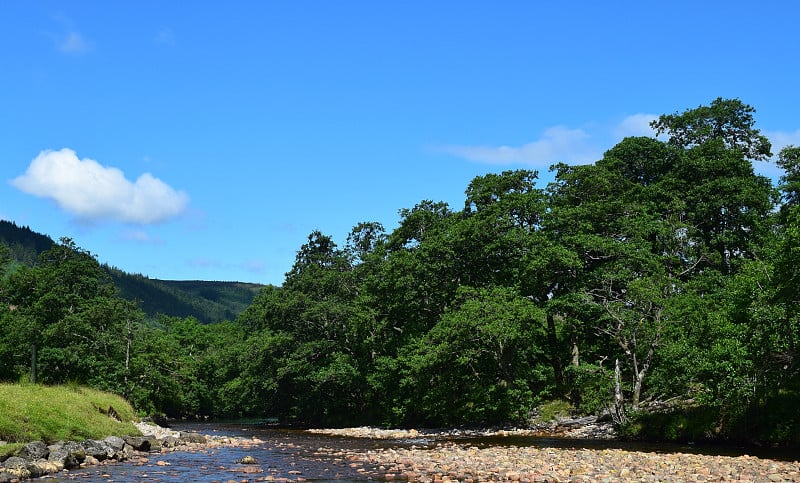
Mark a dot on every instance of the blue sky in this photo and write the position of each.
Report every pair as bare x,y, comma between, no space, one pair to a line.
206,140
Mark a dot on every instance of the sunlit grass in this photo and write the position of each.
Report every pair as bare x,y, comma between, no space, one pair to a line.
553,410
30,412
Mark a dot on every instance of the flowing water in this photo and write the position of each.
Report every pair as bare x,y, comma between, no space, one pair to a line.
294,455
283,455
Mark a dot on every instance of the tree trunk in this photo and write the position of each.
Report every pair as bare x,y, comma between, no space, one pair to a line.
575,352
129,338
637,388
619,402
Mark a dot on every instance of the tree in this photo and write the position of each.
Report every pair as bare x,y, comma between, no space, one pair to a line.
727,120
364,239
789,161
482,362
68,314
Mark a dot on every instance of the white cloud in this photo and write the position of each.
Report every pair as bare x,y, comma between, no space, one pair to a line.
72,43
557,144
635,125
93,192
781,139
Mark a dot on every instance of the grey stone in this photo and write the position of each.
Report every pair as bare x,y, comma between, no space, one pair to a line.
196,438
98,449
143,443
34,451
170,442
127,452
71,454
115,442
16,466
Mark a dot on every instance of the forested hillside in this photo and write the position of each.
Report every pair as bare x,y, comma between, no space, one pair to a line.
658,285
24,244
207,301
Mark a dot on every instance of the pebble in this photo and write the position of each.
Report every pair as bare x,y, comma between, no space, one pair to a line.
458,462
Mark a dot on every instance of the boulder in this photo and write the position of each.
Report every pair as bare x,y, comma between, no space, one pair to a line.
69,455
126,453
34,451
195,438
98,449
170,442
143,443
115,442
17,467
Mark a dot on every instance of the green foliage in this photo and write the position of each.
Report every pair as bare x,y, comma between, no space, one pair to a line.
553,410
479,363
666,260
686,424
594,391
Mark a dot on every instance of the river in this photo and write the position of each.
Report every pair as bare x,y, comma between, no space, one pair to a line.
294,455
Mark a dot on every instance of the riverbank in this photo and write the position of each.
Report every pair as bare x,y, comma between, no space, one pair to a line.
572,428
432,456
442,456
466,463
36,459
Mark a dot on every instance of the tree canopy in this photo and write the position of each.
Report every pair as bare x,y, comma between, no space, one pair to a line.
665,271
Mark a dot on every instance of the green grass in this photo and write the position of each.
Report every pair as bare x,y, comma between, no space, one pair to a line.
553,410
30,412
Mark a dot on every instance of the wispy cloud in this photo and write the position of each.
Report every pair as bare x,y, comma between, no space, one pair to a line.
557,144
780,139
68,39
72,43
165,36
94,193
635,125
254,266
141,237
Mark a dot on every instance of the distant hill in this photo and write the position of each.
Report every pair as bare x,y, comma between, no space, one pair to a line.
24,243
206,301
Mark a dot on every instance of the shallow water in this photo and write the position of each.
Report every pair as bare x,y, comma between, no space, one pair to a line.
292,455
284,455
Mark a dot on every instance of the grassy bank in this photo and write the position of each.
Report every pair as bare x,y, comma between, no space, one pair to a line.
31,412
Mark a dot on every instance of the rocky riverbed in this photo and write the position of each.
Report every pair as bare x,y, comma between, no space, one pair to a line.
371,454
464,461
36,459
576,428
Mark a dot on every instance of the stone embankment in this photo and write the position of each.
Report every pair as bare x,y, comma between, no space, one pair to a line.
37,459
